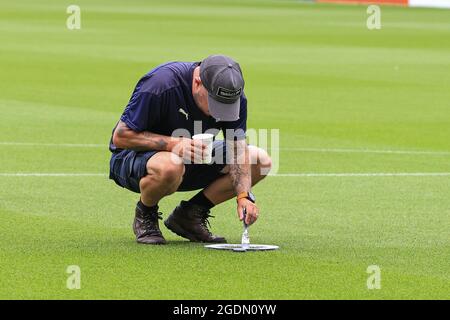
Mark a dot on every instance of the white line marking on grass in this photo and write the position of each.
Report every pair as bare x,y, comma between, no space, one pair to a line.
299,149
62,145
375,174
337,150
36,174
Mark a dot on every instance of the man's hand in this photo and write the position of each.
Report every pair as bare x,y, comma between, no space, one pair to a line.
252,211
188,149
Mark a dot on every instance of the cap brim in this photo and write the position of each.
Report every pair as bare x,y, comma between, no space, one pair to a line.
224,111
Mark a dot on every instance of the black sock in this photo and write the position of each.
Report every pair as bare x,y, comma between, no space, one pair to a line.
201,200
147,209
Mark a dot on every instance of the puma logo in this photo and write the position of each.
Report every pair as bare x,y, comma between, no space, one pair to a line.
181,110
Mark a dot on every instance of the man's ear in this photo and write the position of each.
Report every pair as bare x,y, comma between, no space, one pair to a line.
198,81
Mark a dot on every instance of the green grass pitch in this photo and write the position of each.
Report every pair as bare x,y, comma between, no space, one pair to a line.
313,71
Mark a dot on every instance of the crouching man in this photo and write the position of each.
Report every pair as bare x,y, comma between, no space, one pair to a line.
147,158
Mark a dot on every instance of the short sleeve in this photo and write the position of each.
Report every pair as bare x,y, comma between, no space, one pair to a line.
236,130
143,111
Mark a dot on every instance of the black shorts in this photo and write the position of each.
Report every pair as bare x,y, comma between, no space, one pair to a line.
128,167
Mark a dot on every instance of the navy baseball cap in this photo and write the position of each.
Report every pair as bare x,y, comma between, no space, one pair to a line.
222,78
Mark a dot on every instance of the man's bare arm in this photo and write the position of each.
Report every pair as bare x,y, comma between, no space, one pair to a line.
240,168
240,174
126,138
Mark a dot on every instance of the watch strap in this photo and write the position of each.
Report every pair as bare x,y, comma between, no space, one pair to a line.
242,195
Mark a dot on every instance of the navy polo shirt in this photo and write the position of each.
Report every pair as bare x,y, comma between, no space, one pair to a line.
162,102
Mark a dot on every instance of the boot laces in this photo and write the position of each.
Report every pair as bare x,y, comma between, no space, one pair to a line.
150,223
205,222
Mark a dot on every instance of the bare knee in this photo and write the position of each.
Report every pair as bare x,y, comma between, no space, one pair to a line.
261,162
165,170
145,183
168,173
172,173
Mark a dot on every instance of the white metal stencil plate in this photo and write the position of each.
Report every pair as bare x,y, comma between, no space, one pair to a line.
239,247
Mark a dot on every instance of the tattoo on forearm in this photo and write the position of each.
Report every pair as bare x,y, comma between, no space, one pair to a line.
148,135
155,139
162,144
240,175
140,141
120,130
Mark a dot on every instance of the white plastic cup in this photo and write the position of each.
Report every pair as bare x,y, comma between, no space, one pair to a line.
207,140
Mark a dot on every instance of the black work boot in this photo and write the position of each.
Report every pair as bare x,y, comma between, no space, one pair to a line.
190,221
146,227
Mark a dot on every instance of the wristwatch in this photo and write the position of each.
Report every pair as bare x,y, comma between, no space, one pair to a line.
249,195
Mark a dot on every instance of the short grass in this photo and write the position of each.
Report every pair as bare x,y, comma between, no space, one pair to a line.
313,71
